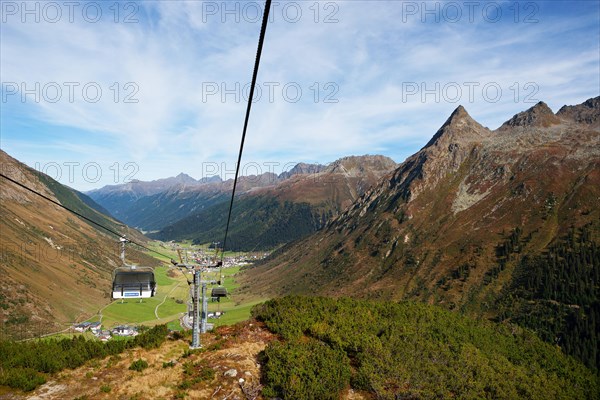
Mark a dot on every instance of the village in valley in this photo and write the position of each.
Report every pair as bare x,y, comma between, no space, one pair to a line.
173,289
206,255
105,334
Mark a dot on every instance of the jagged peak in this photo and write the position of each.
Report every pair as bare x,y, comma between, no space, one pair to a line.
540,115
459,112
541,106
587,112
458,116
459,126
302,169
364,162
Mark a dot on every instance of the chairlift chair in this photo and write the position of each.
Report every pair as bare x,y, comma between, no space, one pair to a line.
219,292
133,283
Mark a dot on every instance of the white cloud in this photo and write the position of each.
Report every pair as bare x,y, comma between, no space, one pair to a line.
371,54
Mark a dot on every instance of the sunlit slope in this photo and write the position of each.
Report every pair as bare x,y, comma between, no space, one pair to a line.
55,267
466,221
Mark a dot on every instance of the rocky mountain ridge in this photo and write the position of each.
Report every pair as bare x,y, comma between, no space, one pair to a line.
459,222
155,205
266,216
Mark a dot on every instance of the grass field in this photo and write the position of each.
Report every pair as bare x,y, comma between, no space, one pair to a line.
163,304
161,248
234,311
172,286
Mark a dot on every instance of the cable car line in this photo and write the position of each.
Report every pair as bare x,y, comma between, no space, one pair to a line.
81,216
141,284
261,39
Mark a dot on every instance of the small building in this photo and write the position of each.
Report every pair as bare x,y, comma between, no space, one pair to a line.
124,330
95,327
104,337
82,327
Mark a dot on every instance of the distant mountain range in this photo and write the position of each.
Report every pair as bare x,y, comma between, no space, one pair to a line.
55,267
270,210
502,224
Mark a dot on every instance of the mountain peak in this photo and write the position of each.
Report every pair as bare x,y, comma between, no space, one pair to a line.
539,115
358,165
459,112
458,127
587,112
182,177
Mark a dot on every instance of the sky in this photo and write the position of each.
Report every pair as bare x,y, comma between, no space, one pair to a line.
100,93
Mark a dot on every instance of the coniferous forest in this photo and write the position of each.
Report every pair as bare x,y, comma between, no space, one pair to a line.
556,293
258,223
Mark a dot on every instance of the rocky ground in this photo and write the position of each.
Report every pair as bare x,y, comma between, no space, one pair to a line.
173,371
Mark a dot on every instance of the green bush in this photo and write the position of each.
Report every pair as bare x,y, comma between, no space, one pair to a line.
305,370
22,364
138,365
25,379
105,389
409,350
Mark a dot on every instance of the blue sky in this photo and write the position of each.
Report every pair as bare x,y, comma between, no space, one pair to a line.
95,93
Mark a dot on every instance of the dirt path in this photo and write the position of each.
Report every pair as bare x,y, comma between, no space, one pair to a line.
163,301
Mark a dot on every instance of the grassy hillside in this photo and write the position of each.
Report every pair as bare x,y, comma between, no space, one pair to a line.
310,348
410,351
80,203
24,365
56,267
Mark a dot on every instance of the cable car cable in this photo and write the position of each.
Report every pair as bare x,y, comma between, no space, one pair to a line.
237,170
81,216
261,39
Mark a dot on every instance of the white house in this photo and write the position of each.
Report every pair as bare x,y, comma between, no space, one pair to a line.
124,330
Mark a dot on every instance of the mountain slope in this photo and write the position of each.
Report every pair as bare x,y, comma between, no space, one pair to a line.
155,205
314,348
258,222
120,199
266,216
457,222
54,266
